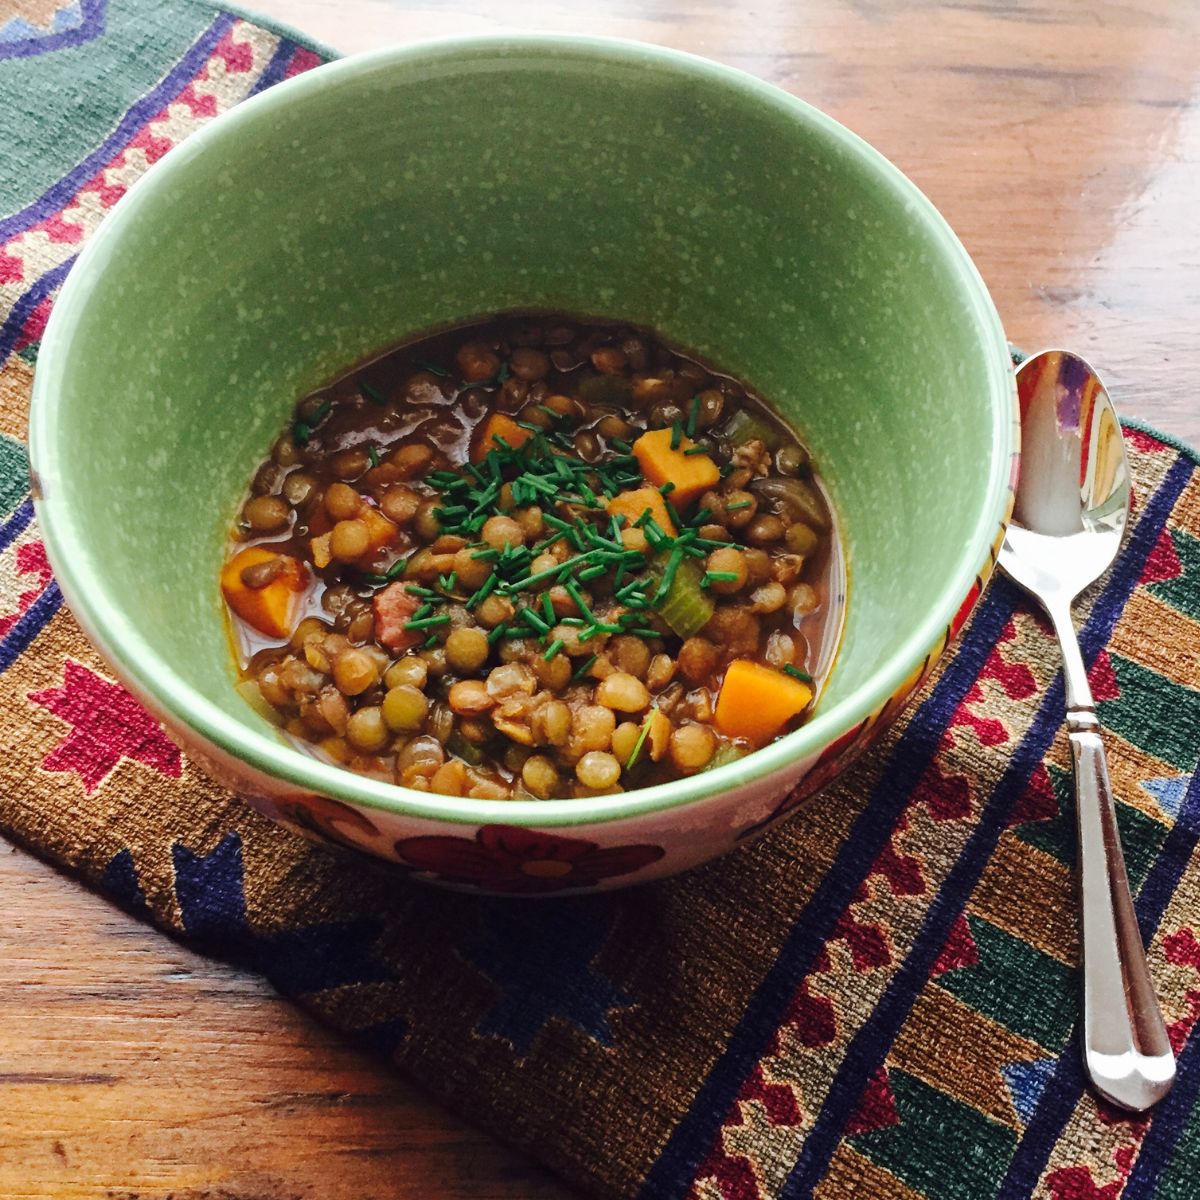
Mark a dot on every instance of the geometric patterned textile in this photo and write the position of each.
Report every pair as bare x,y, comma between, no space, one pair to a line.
879,999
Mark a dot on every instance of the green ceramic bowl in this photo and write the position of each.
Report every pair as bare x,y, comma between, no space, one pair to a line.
384,194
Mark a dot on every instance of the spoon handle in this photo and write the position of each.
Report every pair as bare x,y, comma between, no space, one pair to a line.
1126,1049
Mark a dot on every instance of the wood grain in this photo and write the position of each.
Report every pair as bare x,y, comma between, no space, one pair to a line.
130,1066
1063,144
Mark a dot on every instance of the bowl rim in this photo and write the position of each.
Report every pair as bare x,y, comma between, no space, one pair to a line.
152,678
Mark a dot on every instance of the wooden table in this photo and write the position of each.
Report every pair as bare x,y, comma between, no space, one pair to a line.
1063,144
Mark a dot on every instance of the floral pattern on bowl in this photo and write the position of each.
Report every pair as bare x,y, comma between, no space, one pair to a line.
504,858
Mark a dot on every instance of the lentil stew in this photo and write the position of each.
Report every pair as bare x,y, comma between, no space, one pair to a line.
537,557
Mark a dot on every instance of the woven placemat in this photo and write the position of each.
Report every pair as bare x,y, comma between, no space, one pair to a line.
877,1000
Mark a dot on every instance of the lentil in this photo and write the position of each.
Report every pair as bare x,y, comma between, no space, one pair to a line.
349,540
469,697
409,671
598,770
266,514
350,464
412,460
298,488
404,708
727,570
366,730
467,650
623,692
354,671
540,776
764,530
399,504
691,747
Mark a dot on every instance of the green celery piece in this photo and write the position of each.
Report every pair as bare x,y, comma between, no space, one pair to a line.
465,750
744,427
687,608
727,752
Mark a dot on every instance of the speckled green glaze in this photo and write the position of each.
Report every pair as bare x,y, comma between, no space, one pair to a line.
385,194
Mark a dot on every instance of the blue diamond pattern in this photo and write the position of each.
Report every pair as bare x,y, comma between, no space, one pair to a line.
1168,791
541,962
1026,1083
73,23
120,881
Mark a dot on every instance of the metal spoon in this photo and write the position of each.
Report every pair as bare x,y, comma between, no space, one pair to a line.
1072,506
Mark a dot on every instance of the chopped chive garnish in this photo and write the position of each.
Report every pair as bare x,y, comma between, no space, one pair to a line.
739,505
554,647
430,642
637,746
796,673
489,585
676,434
576,595
432,368
597,628
669,574
572,494
532,619
530,580
371,394
692,450
655,533
428,622
583,669
373,455
302,430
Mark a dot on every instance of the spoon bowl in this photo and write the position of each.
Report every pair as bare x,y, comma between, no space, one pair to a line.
1072,504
